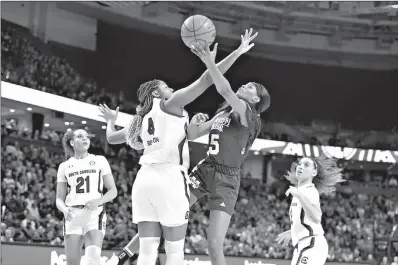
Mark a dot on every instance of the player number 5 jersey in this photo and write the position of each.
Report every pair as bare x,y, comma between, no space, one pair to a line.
84,178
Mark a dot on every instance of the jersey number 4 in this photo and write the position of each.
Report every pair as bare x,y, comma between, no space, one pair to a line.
80,183
214,145
151,127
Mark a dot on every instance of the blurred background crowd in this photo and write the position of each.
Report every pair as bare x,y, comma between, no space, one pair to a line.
38,67
29,168
355,220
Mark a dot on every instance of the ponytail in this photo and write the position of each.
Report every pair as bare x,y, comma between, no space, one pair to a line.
259,107
68,149
145,98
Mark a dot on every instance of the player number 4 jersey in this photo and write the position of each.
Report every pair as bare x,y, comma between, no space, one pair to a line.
84,178
164,136
301,225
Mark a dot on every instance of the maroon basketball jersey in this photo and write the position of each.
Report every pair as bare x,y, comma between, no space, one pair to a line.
228,140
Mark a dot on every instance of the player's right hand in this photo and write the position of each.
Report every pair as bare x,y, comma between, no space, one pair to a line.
108,114
68,214
204,53
284,238
199,119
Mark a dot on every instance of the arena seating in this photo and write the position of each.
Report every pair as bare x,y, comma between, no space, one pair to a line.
25,64
31,63
29,168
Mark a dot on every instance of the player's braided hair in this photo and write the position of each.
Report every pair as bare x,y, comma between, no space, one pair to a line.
145,99
253,114
68,149
328,174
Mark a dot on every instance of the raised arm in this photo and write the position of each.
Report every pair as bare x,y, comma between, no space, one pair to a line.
184,96
222,85
113,136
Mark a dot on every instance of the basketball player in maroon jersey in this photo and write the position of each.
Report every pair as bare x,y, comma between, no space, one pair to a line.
245,46
231,133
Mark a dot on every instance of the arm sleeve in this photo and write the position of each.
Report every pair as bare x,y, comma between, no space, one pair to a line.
61,177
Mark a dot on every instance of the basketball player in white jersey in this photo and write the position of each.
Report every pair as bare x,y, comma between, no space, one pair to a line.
310,177
160,193
80,198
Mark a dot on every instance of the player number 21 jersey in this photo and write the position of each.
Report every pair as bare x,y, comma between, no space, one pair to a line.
84,178
164,137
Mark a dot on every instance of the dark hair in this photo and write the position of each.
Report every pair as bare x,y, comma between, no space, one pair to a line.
328,174
145,99
68,149
253,115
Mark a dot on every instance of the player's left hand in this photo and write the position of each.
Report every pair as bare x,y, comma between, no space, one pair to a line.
292,191
108,114
92,205
245,45
199,119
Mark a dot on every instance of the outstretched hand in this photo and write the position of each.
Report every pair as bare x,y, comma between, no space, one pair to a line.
246,39
204,53
107,114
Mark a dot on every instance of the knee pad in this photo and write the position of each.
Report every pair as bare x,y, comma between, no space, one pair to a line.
149,245
92,255
174,246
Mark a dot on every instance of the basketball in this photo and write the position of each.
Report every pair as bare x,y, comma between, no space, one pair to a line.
198,29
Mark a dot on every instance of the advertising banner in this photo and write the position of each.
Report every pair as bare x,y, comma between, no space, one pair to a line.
29,254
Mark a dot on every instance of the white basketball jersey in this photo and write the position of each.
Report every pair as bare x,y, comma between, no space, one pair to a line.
164,137
301,225
84,178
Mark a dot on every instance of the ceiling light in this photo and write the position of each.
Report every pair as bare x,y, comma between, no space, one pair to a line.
84,122
69,129
46,125
12,110
103,127
29,109
67,123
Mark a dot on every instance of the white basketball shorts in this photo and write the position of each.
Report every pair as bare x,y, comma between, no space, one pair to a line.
161,194
311,251
84,221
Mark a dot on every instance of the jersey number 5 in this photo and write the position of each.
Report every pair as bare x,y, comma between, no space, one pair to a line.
151,127
80,183
214,145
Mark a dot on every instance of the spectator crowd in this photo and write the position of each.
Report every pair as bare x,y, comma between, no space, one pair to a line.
29,171
25,64
29,168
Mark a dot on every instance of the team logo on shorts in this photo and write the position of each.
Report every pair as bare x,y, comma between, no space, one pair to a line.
304,260
187,215
195,183
92,163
